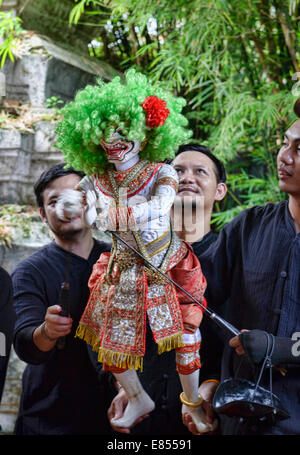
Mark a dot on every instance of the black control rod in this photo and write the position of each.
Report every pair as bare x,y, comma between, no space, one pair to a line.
218,320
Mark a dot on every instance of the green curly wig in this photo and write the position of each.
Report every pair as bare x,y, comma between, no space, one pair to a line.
97,110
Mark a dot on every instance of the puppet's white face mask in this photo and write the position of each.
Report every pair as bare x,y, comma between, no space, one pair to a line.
118,149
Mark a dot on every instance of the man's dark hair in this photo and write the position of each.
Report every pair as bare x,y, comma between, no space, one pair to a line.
53,173
297,107
219,166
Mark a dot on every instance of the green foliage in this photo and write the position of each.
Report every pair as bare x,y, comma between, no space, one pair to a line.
10,28
232,60
50,18
96,111
12,217
53,102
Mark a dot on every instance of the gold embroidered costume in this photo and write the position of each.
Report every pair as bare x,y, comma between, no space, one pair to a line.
123,291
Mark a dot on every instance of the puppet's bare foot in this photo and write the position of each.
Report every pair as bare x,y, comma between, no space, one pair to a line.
137,407
198,416
139,402
192,401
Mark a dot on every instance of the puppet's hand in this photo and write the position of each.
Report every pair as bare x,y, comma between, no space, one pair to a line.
91,212
69,204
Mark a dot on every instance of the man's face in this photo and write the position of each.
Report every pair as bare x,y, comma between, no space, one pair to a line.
197,178
118,149
62,229
288,161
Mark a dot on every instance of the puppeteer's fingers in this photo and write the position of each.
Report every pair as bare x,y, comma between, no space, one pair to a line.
234,342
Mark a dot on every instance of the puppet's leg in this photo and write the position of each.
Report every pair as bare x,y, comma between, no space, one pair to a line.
188,363
139,402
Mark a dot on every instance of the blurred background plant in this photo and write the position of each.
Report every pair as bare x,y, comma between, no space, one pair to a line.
10,28
12,217
234,61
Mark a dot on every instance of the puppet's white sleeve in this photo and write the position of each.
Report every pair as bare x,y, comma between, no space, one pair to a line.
94,197
86,186
165,189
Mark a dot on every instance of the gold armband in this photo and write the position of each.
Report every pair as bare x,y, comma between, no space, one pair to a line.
185,401
211,380
167,181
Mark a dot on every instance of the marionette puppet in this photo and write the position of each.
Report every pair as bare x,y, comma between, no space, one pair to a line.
119,133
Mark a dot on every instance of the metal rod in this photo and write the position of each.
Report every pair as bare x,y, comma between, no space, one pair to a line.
216,318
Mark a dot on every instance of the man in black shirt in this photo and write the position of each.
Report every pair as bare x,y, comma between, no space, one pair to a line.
255,263
62,393
202,182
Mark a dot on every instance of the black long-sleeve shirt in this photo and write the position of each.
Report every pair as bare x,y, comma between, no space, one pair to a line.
7,319
212,344
160,377
255,262
61,391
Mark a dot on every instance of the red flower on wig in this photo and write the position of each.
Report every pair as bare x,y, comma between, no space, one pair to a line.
156,111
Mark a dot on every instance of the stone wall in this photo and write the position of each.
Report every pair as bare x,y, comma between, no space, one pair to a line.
42,71
46,70
23,156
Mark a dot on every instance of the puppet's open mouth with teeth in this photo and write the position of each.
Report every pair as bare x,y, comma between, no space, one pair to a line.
117,150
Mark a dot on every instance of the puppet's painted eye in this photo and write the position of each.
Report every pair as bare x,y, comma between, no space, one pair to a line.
120,132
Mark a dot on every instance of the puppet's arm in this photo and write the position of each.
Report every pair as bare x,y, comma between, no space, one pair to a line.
140,210
165,189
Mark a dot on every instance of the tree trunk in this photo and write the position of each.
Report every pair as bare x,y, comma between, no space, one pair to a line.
288,33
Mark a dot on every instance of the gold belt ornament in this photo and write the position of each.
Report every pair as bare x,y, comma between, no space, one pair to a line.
126,259
153,277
